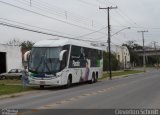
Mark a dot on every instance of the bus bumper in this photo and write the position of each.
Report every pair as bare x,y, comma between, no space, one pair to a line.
49,82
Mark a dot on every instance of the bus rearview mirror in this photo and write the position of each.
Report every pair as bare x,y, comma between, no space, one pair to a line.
61,54
26,55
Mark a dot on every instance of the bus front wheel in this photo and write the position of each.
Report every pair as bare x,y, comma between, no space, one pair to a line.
69,82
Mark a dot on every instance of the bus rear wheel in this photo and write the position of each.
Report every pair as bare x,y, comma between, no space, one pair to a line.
93,79
96,78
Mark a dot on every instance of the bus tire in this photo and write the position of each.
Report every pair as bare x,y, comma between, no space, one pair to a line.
96,77
92,79
69,82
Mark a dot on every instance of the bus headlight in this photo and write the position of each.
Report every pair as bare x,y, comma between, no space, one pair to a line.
59,74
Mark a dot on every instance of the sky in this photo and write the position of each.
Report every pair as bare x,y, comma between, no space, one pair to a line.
81,19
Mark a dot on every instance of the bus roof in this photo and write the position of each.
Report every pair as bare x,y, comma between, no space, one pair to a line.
61,42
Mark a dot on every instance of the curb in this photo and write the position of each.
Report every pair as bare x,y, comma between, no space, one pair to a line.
138,73
35,91
17,94
122,76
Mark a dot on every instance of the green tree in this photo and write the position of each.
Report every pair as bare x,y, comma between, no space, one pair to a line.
132,46
114,62
26,45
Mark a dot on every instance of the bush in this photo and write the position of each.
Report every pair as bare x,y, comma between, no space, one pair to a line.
114,62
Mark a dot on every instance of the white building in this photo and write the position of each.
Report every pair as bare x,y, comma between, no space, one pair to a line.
10,57
122,54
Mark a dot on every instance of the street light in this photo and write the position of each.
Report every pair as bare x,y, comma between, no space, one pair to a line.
120,31
110,70
124,62
115,33
108,47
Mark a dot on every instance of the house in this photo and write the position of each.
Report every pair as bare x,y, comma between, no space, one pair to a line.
10,57
122,55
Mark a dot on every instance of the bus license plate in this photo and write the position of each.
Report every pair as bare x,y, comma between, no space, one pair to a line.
42,82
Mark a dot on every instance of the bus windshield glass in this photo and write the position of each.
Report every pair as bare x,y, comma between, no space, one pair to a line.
44,60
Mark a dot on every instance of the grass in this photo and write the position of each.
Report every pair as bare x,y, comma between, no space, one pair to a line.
10,89
12,86
15,86
120,73
8,82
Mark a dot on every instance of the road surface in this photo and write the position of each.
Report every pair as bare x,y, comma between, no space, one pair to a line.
134,91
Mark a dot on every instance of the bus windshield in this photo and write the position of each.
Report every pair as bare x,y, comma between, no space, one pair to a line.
44,60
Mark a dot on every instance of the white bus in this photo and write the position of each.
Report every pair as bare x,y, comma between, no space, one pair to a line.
58,62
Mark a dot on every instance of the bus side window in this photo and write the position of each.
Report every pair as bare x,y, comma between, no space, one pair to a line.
65,57
99,54
64,60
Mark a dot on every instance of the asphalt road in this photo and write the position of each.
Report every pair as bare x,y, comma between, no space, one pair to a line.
134,91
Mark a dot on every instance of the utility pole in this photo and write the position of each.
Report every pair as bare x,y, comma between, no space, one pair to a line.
144,54
109,39
154,42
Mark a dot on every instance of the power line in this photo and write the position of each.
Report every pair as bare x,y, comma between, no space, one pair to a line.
47,9
91,33
87,3
115,44
47,16
59,12
135,27
115,20
33,26
110,2
31,30
102,2
123,17
41,32
42,8
115,32
129,18
44,28
68,12
62,13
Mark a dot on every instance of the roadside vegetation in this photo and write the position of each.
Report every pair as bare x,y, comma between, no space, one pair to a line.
11,87
138,60
16,86
120,73
11,82
115,63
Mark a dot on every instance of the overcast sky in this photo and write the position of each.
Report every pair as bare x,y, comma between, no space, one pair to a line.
77,18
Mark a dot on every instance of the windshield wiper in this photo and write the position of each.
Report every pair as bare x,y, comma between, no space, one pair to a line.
38,65
47,66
